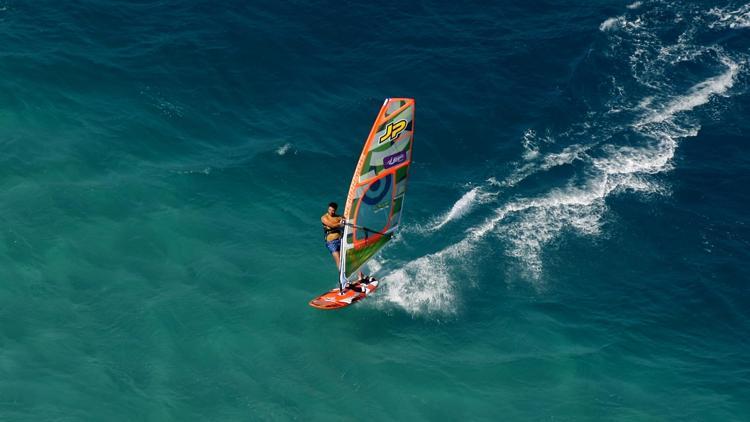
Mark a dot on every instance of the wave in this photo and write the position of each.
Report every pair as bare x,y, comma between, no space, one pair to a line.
532,142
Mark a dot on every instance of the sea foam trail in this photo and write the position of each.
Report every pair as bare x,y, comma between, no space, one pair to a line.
698,95
660,118
429,283
621,168
533,164
463,206
547,162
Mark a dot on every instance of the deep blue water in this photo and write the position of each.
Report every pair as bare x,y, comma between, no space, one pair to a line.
575,243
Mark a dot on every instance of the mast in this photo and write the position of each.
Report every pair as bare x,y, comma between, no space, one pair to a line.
342,261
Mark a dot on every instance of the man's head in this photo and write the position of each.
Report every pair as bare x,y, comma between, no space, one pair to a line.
332,207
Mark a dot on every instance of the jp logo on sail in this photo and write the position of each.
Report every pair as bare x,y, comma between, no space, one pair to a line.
392,131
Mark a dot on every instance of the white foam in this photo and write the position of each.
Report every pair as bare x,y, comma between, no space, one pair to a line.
535,162
698,95
428,284
530,144
635,5
661,124
463,206
479,195
567,156
612,23
537,226
539,220
629,160
645,102
423,286
733,19
283,149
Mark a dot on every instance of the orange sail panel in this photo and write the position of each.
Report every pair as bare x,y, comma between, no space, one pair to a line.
377,191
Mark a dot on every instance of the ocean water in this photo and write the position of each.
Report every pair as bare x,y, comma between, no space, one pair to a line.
576,242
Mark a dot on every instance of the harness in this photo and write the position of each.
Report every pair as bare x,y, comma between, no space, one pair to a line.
327,230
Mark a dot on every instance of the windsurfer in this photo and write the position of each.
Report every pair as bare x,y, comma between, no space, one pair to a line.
333,227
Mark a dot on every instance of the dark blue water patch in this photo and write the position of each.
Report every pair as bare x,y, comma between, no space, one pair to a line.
680,271
727,121
713,171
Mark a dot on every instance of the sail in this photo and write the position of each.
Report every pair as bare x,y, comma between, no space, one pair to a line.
377,191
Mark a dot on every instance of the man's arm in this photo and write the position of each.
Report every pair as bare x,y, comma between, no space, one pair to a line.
330,222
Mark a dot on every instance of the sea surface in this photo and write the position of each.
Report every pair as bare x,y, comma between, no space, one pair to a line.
575,242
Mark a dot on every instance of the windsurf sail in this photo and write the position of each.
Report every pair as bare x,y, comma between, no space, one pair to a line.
378,188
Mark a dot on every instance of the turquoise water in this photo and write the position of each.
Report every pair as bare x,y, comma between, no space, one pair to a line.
575,242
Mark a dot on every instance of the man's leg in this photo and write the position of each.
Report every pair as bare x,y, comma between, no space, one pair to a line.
337,258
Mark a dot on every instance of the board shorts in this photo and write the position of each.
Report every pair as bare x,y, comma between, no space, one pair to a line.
334,245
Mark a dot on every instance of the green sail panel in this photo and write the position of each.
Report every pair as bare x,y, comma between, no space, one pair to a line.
356,258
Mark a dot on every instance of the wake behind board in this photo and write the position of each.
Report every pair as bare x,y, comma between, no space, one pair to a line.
334,299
